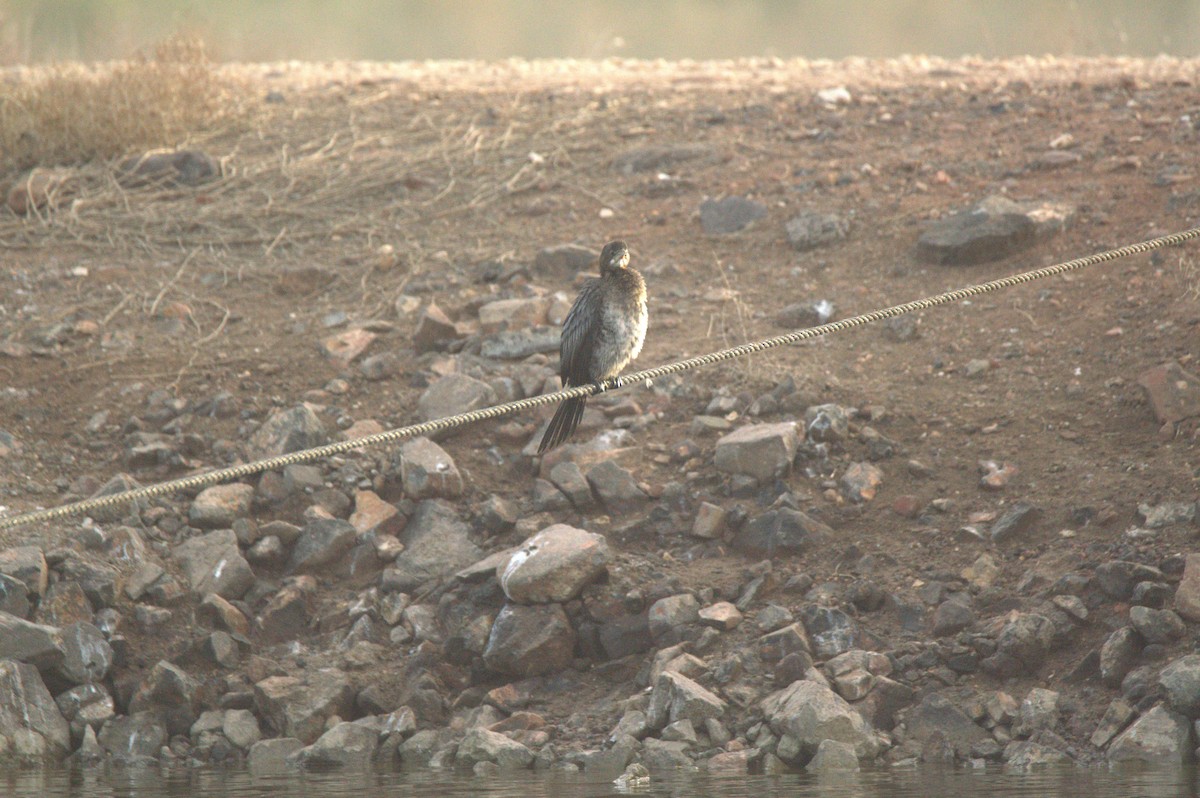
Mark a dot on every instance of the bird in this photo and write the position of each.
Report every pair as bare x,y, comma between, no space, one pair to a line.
603,332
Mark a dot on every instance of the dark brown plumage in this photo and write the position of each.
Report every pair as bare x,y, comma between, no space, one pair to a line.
603,332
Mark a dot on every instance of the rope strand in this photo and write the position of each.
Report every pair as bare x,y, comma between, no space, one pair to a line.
450,422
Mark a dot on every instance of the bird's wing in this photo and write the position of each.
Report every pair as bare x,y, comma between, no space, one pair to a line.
579,337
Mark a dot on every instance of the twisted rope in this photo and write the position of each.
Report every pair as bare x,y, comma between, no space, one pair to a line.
438,425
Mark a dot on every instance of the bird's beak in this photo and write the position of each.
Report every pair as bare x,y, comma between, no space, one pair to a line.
623,261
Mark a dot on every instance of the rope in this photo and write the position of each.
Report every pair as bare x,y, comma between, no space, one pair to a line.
438,425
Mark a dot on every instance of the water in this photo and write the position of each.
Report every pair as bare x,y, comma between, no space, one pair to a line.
267,30
922,782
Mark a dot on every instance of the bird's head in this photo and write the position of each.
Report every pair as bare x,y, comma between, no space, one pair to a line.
614,256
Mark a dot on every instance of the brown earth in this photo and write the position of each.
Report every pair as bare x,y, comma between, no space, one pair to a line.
224,287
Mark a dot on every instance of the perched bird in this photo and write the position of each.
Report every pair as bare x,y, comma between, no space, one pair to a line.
603,332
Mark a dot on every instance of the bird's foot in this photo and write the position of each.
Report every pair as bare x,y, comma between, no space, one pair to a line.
605,385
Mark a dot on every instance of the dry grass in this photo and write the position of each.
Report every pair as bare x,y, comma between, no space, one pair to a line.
72,114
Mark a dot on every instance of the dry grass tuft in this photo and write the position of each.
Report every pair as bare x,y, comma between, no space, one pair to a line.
72,114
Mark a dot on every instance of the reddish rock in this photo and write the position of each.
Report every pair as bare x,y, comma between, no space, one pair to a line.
374,516
1173,394
344,347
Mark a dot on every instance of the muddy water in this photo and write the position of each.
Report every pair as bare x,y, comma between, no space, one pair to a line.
922,782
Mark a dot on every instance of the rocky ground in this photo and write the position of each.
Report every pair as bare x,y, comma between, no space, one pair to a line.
964,535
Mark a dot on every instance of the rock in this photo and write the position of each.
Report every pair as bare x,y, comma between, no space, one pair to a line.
87,656
30,721
1119,654
1180,683
783,530
762,451
454,394
810,712
675,697
811,229
272,755
217,507
373,517
346,745
86,705
96,578
777,645
661,756
519,344
658,158
860,482
1173,394
625,636
1159,737
833,757
427,471
886,699
564,260
828,423
1116,717
178,168
1038,711
801,315
530,640
936,715
134,737
1187,594
568,478
483,745
382,366
669,614
287,431
214,564
722,615
221,649
28,642
616,488
28,565
287,614
951,617
217,613
170,694
830,630
39,188
1157,626
1167,514
993,229
296,708
342,348
1026,639
240,727
554,565
730,214
436,544
14,597
323,544
1026,755
435,331
512,314
710,521
1018,520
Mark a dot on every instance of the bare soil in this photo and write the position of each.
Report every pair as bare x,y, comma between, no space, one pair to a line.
195,291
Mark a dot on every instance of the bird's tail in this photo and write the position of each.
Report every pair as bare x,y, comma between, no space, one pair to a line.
565,420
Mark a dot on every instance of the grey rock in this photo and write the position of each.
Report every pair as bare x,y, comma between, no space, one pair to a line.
833,757
1026,639
29,718
710,521
801,315
937,715
133,737
87,656
117,512
434,331
96,578
554,565
14,597
240,727
811,229
951,617
568,478
454,394
169,693
616,488
762,451
1118,577
827,423
993,229
810,712
671,613
564,260
296,708
322,545
482,745
287,614
86,705
1119,654
1180,683
32,643
1038,711
214,564
772,617
1157,626
272,755
178,168
830,630
1116,717
427,471
436,544
28,565
860,482
626,636
1025,755
288,431
1159,737
780,531
346,745
1016,521
776,645
658,158
530,640
519,344
675,697
218,506
1157,516
663,756
730,214
1187,594
886,699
